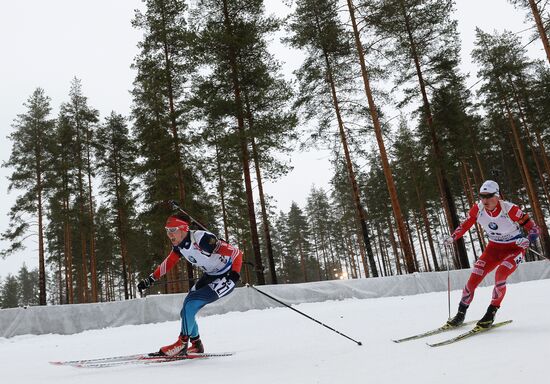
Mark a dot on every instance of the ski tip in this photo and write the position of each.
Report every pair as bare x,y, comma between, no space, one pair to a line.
56,362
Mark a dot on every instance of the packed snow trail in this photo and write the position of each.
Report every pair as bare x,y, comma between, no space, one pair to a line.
277,346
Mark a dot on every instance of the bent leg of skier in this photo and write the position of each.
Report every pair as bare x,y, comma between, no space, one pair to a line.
485,264
505,269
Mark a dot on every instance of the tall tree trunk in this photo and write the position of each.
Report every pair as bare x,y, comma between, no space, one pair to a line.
359,210
68,251
426,223
464,207
412,246
315,242
41,257
423,250
445,189
381,251
244,150
122,222
540,28
93,269
174,129
535,203
303,262
221,190
394,246
82,285
543,153
529,142
361,244
325,258
396,207
60,279
265,220
384,249
476,152
467,185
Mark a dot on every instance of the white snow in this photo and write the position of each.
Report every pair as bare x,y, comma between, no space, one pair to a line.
280,346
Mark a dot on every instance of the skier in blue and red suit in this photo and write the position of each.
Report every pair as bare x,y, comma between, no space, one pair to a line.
221,263
503,223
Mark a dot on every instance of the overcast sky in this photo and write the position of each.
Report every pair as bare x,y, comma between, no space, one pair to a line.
47,43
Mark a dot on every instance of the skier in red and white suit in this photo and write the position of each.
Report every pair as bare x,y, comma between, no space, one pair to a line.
503,223
221,263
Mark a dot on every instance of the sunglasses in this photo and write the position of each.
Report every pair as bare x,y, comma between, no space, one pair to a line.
486,195
171,229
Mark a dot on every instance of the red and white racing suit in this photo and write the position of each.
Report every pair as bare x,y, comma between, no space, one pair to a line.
503,227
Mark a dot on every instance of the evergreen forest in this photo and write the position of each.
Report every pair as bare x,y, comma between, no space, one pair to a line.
214,118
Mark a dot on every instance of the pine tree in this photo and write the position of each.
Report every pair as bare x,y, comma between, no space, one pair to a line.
413,178
396,206
164,58
343,204
299,247
541,19
112,272
315,26
503,60
420,37
56,247
169,163
28,286
270,126
116,164
30,158
81,120
232,33
319,214
63,212
9,295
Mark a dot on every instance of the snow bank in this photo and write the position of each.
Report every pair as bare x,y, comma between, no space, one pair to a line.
69,319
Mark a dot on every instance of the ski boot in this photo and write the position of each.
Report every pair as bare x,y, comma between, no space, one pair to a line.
459,317
488,319
196,345
175,349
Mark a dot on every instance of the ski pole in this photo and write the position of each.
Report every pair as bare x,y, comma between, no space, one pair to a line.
536,253
303,314
448,278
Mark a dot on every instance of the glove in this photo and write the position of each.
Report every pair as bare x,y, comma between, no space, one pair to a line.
146,283
523,243
234,276
448,240
533,235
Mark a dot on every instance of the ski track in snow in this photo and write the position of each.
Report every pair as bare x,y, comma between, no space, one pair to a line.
277,345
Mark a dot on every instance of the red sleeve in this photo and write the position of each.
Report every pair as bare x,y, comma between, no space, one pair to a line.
466,224
516,214
226,249
237,262
523,219
166,265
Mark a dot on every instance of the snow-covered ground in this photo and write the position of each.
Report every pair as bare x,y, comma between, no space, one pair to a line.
280,346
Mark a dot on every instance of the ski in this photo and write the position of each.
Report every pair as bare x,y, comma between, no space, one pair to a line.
443,328
99,360
475,331
136,359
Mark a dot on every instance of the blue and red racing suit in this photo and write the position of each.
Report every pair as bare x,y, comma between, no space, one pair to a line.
217,259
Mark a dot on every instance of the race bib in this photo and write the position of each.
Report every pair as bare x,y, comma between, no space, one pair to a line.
222,286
